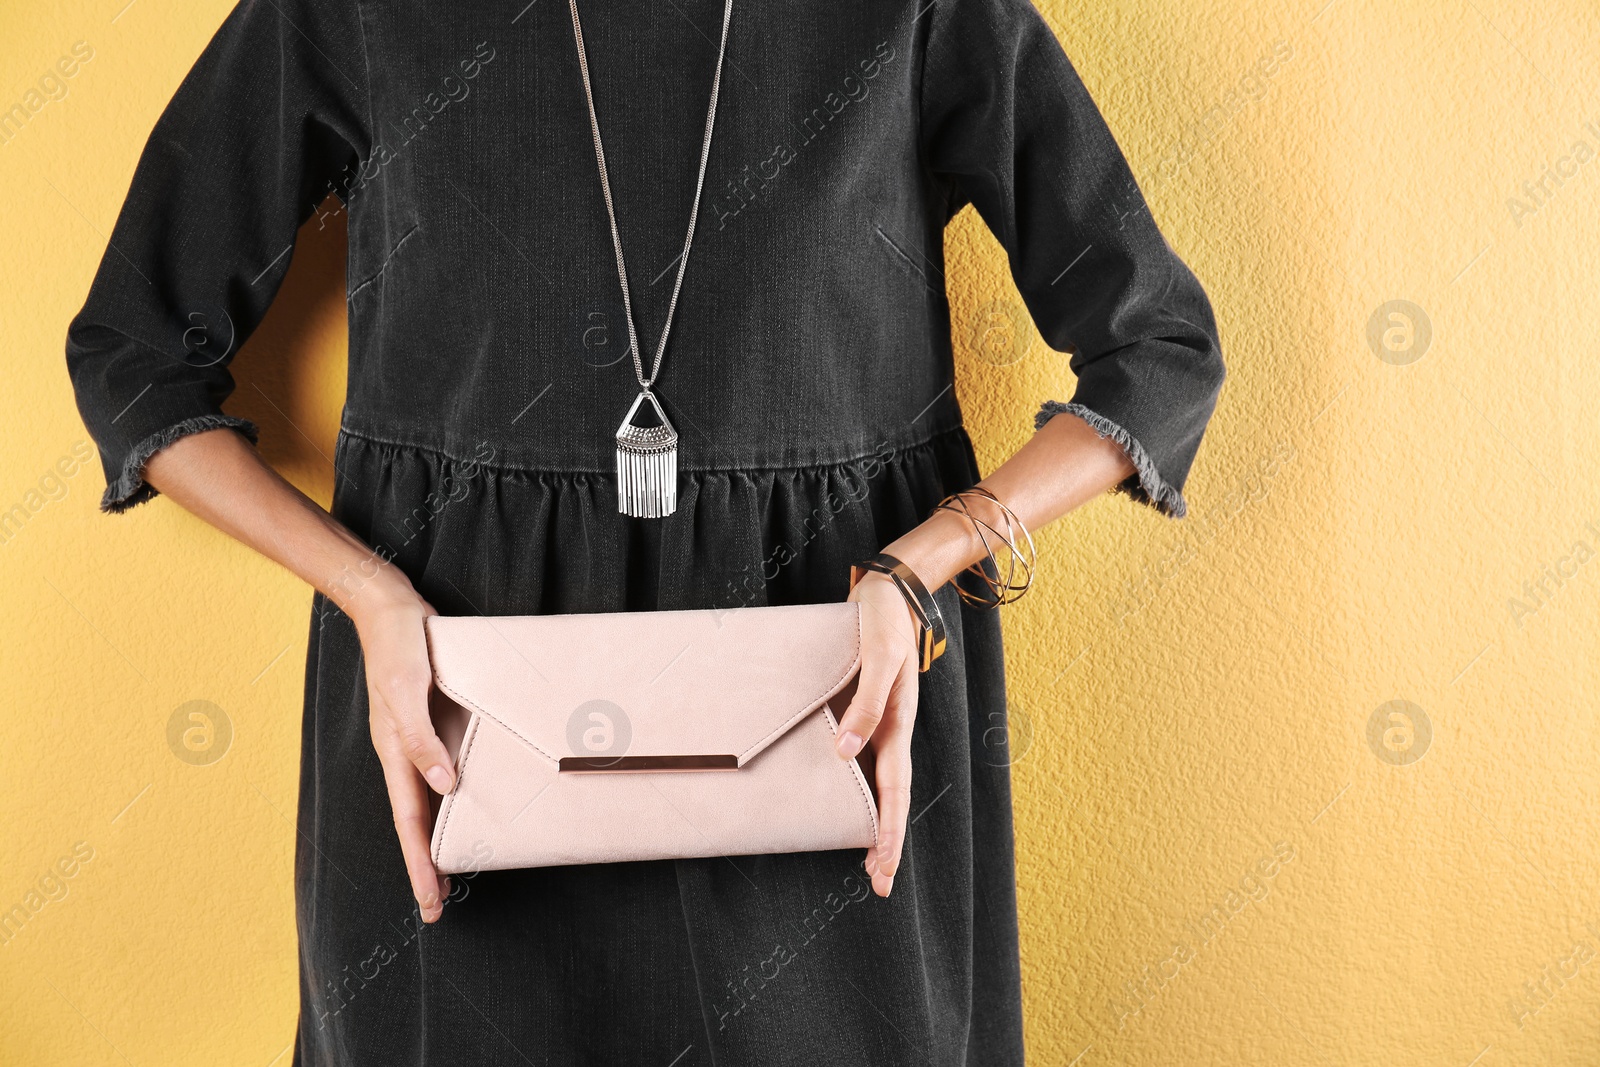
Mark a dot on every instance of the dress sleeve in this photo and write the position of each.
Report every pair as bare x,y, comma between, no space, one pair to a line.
1007,122
261,129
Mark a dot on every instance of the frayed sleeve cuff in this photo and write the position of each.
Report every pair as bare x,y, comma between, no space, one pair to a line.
129,487
1146,485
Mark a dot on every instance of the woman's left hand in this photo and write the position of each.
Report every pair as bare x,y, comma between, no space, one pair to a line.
1063,464
882,713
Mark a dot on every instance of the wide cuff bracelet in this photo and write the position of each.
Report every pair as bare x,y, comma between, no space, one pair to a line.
931,635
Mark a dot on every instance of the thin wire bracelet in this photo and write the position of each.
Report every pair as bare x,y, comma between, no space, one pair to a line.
1009,591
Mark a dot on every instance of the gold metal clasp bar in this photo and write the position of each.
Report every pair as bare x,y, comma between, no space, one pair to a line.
614,764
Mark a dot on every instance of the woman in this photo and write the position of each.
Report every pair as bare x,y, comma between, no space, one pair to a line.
809,375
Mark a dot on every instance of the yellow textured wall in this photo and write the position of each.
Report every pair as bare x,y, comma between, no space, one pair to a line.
1233,846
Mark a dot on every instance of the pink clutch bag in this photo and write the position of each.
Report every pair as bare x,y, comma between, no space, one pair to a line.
646,735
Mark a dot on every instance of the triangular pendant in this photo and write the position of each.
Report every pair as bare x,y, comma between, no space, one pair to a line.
647,464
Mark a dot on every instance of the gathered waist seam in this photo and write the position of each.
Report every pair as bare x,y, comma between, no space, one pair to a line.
958,431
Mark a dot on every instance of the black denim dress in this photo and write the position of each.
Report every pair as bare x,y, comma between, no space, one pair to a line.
810,378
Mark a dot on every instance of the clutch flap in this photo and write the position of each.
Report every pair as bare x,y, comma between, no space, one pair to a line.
638,690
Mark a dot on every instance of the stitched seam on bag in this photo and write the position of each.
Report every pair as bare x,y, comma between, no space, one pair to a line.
854,770
782,728
811,705
461,699
449,807
861,779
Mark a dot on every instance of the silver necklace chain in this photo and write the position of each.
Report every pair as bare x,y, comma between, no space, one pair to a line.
611,212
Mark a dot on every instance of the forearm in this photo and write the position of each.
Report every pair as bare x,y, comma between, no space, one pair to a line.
1063,465
219,477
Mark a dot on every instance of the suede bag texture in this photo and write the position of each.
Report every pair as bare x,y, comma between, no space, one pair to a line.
546,715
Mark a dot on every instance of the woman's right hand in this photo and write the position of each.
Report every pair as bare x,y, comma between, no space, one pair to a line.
219,476
395,650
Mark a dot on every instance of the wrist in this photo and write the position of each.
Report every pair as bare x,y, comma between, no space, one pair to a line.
371,587
939,548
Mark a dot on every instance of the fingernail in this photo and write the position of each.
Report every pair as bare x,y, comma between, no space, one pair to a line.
889,886
439,778
850,743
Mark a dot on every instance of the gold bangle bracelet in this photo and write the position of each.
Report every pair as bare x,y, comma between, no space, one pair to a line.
1001,591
